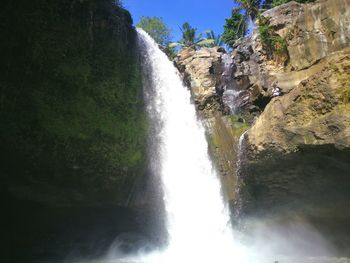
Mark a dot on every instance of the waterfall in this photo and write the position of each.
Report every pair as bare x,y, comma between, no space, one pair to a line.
198,222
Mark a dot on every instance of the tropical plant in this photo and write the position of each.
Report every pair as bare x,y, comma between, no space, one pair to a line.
190,39
159,31
217,39
251,8
242,16
156,28
236,27
274,45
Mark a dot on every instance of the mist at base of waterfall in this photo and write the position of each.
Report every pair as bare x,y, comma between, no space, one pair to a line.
197,218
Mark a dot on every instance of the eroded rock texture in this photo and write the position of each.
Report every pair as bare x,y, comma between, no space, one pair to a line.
295,158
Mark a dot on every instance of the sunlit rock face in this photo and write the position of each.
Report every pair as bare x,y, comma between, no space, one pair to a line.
295,159
297,154
208,73
316,112
313,31
202,71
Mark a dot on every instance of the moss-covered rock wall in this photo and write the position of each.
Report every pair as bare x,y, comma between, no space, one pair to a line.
72,128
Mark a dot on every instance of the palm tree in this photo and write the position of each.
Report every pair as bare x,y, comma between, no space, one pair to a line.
217,39
236,26
190,39
251,7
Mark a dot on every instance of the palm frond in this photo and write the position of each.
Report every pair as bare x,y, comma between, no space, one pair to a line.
205,42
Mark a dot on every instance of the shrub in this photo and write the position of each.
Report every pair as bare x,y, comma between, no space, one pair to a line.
274,45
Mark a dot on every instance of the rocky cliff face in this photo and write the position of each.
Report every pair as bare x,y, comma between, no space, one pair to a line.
72,129
297,154
295,157
208,73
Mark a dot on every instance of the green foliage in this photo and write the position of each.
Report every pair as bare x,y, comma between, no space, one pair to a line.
217,39
156,28
273,3
236,27
251,7
188,34
345,95
241,16
70,93
274,45
239,126
160,32
190,38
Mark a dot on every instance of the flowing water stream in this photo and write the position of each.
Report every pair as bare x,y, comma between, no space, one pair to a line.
197,218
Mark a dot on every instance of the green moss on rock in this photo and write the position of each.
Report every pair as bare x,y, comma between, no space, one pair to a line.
72,125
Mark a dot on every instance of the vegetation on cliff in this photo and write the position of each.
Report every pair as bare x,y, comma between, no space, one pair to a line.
72,126
235,27
274,45
160,32
247,11
273,3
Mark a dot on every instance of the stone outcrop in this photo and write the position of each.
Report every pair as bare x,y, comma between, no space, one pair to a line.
316,112
208,74
312,31
295,158
202,70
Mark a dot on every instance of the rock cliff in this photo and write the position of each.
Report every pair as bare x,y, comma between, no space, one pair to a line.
294,160
72,129
296,154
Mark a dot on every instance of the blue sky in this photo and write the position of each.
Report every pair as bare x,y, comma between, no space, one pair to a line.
203,14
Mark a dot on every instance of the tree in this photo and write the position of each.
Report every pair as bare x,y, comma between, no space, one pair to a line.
190,39
235,27
156,28
217,39
160,32
243,15
251,7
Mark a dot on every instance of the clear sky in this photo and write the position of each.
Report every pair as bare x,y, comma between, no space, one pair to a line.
203,14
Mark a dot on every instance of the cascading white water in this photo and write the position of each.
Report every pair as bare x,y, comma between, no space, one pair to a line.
197,218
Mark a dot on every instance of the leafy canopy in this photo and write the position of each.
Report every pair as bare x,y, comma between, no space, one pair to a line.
217,39
157,29
251,7
235,27
190,38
